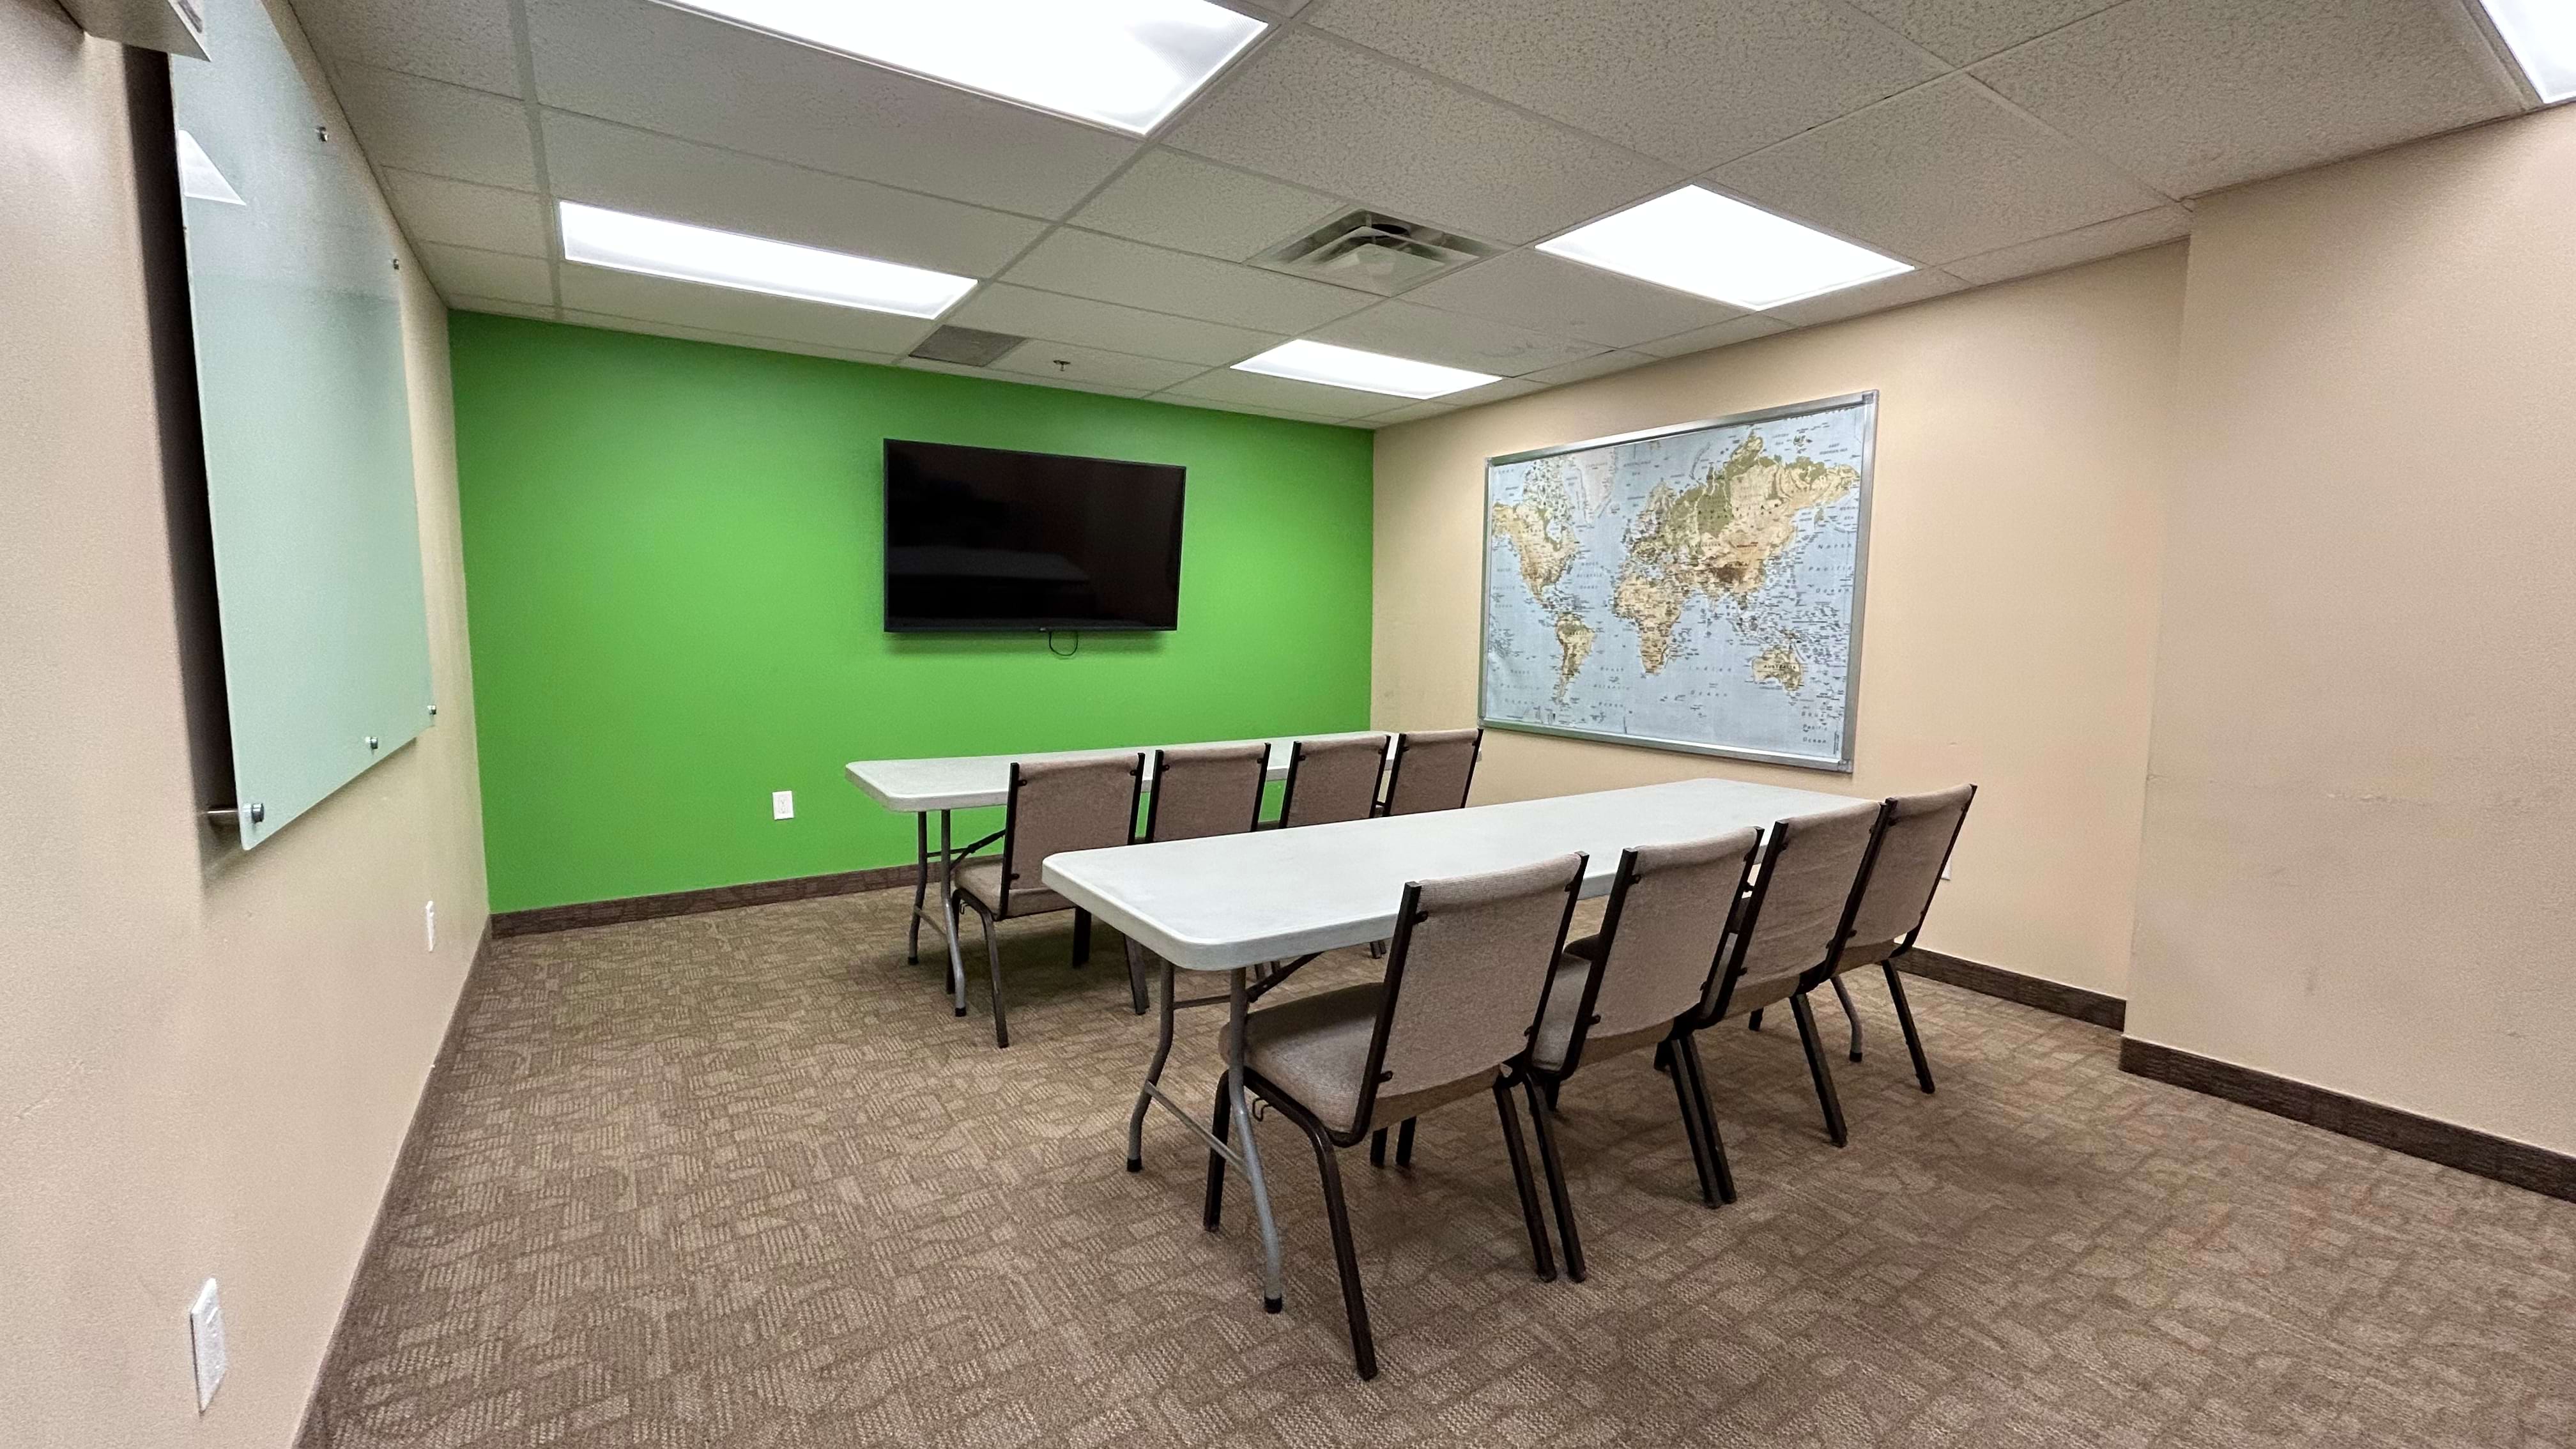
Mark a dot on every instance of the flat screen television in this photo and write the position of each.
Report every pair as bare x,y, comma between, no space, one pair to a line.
986,539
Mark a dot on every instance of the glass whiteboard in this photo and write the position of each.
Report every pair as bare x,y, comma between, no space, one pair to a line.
307,424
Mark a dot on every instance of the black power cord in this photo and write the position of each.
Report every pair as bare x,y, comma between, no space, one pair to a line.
1064,653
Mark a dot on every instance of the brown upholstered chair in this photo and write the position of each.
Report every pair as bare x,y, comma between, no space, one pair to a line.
1055,806
1466,981
1204,790
1914,847
1626,989
1331,780
1789,929
1432,771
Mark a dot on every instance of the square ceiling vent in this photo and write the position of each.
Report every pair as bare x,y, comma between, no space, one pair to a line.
1373,252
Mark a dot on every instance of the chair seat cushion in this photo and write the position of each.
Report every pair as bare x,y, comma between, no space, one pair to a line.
1315,1048
1864,953
982,879
1587,947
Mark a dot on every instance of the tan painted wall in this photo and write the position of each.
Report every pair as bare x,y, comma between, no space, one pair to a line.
207,1060
2011,607
2359,828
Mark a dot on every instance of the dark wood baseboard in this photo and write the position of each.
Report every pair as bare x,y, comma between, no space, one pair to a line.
2501,1158
690,903
1995,981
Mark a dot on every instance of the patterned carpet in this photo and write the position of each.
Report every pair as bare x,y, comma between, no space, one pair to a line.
740,1179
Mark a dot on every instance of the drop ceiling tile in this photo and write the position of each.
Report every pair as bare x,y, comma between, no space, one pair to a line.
1964,31
612,323
2193,95
460,213
606,164
1568,299
1353,123
1409,413
688,75
501,308
1308,399
1601,365
476,273
1174,200
1092,367
1943,171
1257,410
465,42
1701,339
746,314
1001,307
438,129
1452,339
2085,244
1113,269
1688,82
1896,291
1015,379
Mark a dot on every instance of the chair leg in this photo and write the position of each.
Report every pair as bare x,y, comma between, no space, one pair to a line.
1753,1021
1708,1118
1137,995
1540,1111
1213,1216
1905,1019
1816,1068
1694,1124
1842,994
1081,937
1540,1256
1404,1144
1345,1257
993,963
1377,1148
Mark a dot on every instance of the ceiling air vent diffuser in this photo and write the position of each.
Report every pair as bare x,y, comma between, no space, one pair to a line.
1373,252
966,346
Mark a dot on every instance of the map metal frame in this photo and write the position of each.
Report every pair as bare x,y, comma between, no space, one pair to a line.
1859,591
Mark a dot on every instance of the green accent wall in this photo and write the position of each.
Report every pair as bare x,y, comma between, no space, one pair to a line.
673,563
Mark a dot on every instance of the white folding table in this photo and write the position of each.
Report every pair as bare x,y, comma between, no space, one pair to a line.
1232,902
937,786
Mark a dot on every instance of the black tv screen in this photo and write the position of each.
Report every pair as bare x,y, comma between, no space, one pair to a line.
981,538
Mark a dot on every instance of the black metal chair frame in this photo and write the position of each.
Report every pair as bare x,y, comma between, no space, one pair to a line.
1678,1056
1329,1142
1001,910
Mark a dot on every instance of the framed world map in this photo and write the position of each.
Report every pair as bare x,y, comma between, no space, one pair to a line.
1691,588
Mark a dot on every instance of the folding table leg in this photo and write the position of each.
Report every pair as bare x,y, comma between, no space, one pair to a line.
1153,1076
920,884
1238,1002
948,897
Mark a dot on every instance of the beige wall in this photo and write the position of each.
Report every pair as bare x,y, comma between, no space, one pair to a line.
2011,613
207,1060
2359,833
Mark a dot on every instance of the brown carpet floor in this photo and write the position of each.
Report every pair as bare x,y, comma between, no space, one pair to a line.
741,1179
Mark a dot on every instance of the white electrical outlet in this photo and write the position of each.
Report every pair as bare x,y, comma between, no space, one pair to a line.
782,804
206,1342
429,924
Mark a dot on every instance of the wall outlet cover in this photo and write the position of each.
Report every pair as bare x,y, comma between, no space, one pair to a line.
782,804
206,1342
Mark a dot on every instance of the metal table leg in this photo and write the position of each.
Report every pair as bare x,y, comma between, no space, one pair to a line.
1242,1153
1153,1074
948,915
920,883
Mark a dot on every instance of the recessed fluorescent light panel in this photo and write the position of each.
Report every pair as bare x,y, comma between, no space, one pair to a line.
656,248
1367,371
198,176
2542,36
1696,241
1124,64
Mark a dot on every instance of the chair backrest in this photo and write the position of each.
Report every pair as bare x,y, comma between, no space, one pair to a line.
1432,770
1331,780
1061,805
1669,907
1467,976
1799,912
1206,790
1913,847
